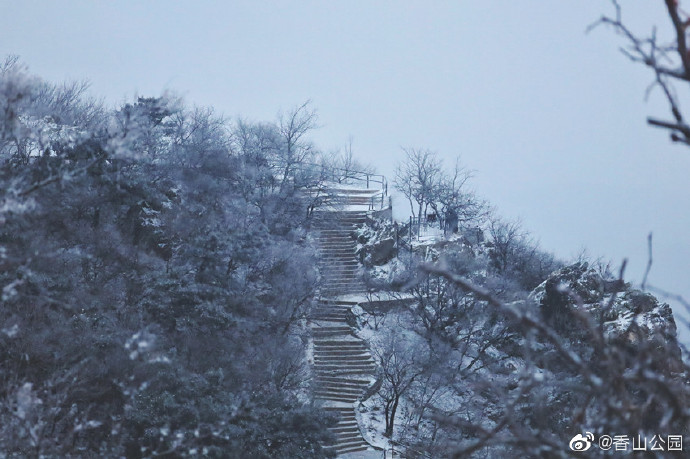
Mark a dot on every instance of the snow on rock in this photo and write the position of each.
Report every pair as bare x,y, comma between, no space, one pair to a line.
617,304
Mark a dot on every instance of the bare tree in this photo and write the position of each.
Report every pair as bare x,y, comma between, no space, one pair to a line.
400,364
628,381
345,165
516,255
668,61
418,178
293,127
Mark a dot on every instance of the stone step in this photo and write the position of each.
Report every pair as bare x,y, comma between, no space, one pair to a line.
324,351
351,447
346,287
356,353
349,265
346,410
326,392
329,318
343,314
355,190
341,275
342,343
331,312
336,398
342,358
331,309
337,329
338,302
331,264
335,332
343,364
344,381
348,291
320,352
348,450
352,271
341,386
350,390
346,421
345,284
353,353
344,278
326,366
338,216
319,223
347,438
350,428
336,363
345,372
342,369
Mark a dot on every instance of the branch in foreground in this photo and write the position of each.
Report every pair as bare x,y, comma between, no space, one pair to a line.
520,317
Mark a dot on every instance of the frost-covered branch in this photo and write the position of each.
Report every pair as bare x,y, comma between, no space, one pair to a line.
669,62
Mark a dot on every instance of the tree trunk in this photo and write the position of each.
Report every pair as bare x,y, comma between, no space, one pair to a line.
390,417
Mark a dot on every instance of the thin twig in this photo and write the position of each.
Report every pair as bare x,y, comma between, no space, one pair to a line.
649,261
518,316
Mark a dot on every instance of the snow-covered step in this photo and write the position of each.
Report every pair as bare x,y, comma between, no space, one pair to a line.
343,381
342,363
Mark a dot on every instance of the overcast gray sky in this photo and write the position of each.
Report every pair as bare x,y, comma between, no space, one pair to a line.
552,119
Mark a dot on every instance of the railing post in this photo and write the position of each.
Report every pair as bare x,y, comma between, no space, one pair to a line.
367,181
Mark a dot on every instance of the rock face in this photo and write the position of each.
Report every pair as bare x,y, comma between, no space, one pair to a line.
627,314
382,251
377,242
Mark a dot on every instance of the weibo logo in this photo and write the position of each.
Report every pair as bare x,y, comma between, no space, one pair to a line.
582,442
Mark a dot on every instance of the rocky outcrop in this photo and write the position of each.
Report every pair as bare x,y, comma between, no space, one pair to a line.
377,242
627,315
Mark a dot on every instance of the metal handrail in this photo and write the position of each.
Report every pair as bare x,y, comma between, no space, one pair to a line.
350,174
417,223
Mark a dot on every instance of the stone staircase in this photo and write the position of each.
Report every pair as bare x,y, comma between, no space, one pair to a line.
337,261
342,370
343,366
